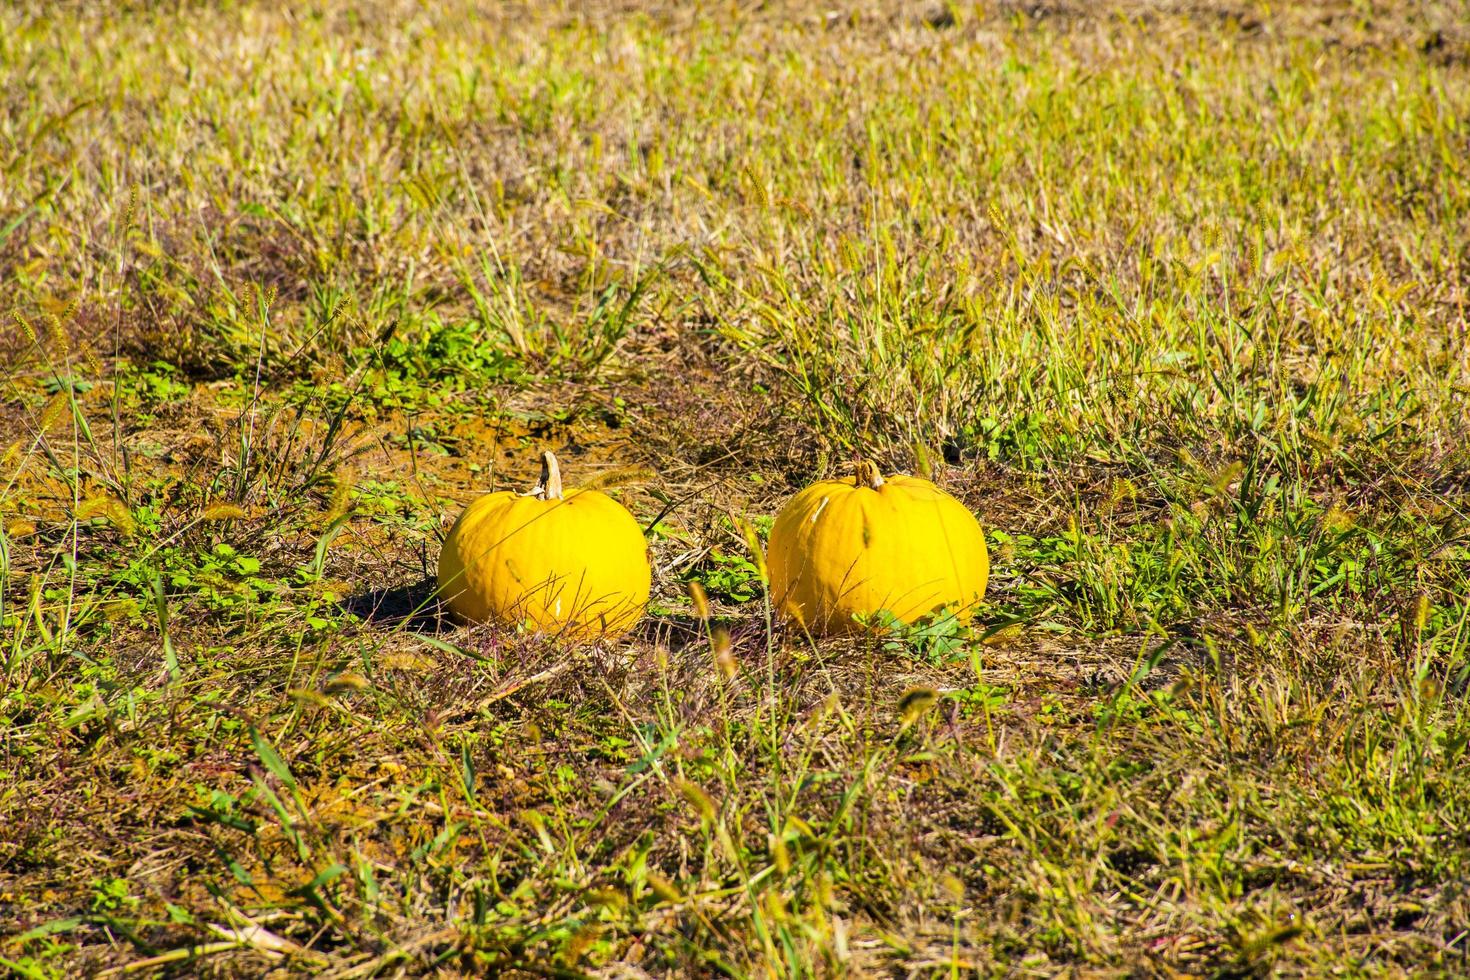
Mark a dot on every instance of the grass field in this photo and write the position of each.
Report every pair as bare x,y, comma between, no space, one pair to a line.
1172,295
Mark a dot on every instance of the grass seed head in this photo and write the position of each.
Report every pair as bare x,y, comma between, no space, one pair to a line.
223,511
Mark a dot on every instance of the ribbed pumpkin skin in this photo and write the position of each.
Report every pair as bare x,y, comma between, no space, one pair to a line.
575,566
841,548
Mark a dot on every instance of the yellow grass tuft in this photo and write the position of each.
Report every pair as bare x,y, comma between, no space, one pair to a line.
19,528
223,511
109,507
25,325
60,342
724,653
699,599
621,477
341,499
59,405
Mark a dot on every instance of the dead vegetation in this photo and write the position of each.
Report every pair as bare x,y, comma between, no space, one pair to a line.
1172,295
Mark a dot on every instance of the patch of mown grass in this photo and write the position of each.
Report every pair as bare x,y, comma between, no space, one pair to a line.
1173,299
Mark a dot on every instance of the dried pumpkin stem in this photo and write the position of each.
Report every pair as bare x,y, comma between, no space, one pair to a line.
867,475
549,486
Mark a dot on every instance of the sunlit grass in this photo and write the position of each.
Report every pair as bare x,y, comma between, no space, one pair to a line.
1174,299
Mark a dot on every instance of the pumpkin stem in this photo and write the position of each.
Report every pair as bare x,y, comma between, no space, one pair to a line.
867,475
549,486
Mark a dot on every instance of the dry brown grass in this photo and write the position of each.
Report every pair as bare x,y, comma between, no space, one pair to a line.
1172,295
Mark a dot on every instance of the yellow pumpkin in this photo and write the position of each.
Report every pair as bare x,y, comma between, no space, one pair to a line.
851,547
573,563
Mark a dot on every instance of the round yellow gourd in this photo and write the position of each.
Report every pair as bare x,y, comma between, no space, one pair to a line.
572,563
851,547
